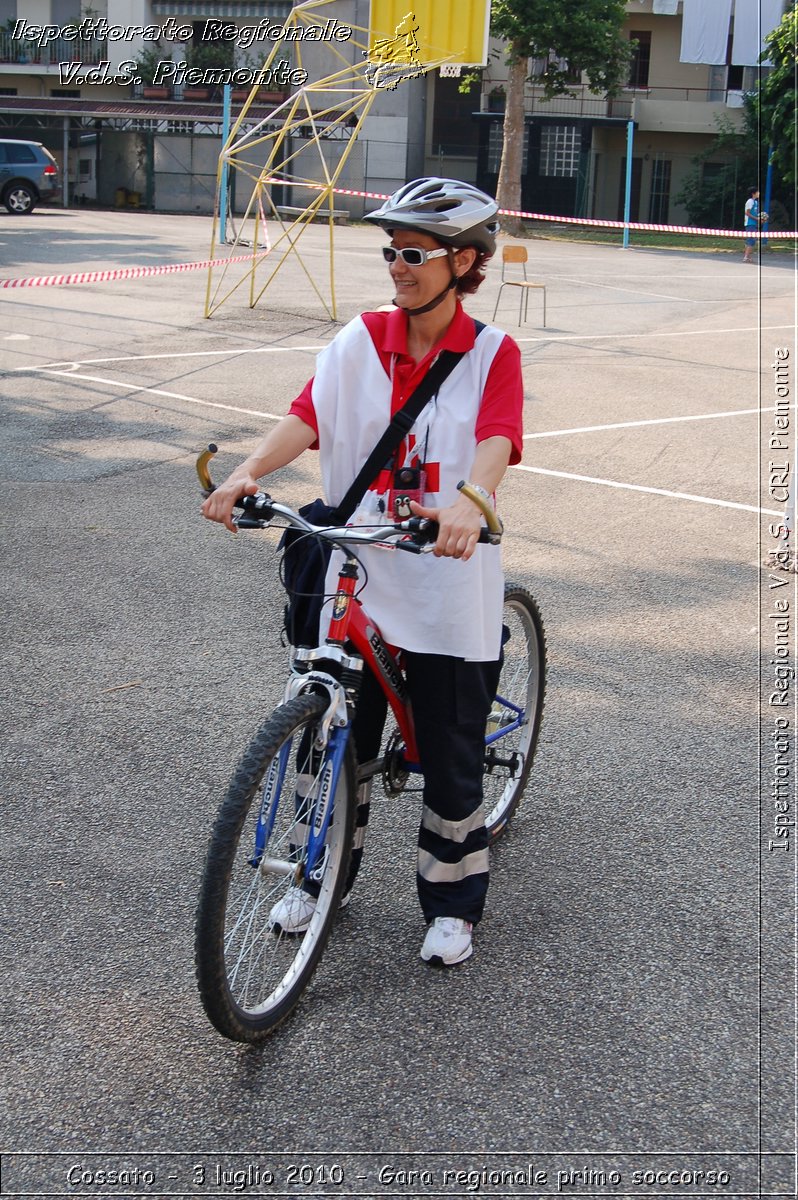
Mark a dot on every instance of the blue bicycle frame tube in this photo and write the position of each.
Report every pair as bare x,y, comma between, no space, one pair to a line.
520,720
323,804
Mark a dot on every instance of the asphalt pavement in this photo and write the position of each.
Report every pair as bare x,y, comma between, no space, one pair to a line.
629,1007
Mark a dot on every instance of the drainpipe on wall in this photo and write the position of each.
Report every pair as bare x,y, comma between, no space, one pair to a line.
65,156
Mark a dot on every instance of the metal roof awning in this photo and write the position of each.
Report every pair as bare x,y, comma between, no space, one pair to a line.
219,8
124,114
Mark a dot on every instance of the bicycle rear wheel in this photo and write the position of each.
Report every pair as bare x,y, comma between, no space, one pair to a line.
250,973
514,721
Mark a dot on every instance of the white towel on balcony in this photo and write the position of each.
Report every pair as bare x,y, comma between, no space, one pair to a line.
753,21
705,31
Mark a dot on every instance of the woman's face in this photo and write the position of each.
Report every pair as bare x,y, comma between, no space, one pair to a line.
416,286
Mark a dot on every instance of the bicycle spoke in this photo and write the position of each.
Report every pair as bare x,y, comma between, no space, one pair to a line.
514,720
251,971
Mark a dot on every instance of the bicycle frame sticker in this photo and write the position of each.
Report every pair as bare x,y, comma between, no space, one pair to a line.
340,605
389,670
271,792
377,656
323,805
339,621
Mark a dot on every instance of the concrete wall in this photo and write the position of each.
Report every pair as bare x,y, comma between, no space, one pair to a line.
609,148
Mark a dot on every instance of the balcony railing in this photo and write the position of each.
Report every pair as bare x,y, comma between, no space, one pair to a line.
88,51
578,106
718,95
588,104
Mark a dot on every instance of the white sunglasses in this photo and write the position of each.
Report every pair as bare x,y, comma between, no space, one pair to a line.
412,255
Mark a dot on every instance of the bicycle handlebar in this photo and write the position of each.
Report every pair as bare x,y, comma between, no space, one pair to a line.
415,534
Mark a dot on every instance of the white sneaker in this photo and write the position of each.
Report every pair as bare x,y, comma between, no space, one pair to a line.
448,941
294,912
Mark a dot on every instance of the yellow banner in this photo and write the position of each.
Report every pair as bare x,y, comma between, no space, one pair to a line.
427,31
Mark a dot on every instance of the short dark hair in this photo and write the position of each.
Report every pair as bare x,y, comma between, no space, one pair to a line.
468,283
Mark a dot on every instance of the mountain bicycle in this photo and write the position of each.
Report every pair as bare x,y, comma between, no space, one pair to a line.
289,813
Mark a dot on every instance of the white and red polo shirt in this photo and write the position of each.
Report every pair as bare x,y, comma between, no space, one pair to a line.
421,603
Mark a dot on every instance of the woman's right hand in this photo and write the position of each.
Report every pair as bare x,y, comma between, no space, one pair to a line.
219,505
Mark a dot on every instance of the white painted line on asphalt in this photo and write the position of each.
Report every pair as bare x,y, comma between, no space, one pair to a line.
621,337
234,352
250,412
636,487
609,287
135,387
740,412
72,364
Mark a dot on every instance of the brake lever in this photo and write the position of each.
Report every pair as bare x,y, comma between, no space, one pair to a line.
428,529
422,527
257,510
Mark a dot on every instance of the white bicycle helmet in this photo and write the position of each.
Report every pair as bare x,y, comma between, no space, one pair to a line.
456,213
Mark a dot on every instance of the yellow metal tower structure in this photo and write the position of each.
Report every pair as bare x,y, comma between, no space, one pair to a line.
404,39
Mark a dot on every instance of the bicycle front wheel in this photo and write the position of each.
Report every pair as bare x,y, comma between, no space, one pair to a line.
251,973
514,722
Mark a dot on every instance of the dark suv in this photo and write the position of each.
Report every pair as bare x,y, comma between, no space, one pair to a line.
28,174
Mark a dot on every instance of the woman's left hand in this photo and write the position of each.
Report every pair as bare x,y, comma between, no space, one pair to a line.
459,527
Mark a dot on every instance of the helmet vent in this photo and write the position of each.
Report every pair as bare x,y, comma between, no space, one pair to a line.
457,213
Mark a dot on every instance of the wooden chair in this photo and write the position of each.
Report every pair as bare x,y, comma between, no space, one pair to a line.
518,254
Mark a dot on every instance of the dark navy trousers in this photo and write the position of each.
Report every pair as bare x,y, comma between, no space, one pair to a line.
451,700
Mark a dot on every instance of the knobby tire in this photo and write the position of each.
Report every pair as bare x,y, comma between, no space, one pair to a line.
250,973
523,682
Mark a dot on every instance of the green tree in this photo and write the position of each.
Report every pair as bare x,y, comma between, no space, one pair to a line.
776,99
715,189
573,37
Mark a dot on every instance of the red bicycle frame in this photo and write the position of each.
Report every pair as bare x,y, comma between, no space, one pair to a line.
350,621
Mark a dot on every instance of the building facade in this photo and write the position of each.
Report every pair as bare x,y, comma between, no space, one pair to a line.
156,143
575,146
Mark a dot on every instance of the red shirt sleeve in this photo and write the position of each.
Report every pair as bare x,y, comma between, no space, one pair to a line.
304,409
501,411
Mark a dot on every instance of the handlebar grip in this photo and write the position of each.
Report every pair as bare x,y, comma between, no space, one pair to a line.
203,474
249,523
492,518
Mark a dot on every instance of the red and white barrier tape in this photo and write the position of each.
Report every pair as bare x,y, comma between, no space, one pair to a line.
119,273
647,226
141,272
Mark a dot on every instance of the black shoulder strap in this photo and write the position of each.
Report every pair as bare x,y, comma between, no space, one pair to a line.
401,424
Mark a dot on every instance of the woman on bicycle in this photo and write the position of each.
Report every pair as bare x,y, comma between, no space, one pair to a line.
443,610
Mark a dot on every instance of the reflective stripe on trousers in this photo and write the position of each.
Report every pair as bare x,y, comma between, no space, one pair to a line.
451,700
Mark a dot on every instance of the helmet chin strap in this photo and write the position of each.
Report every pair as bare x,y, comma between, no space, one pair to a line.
439,299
